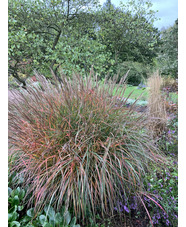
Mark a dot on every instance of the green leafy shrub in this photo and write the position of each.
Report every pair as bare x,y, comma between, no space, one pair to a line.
137,74
167,60
77,146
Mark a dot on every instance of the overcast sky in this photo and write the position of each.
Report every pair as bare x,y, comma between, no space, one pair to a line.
167,11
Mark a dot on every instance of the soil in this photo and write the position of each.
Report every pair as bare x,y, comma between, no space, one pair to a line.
124,221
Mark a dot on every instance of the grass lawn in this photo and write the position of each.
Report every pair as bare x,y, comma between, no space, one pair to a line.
137,92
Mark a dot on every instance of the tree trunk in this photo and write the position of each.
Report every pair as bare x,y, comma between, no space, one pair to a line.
13,72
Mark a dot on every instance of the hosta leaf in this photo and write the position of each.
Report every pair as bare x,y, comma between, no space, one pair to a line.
30,225
12,209
26,219
10,216
52,220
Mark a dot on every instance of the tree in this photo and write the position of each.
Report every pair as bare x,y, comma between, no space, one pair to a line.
128,31
76,34
167,59
47,32
129,34
22,49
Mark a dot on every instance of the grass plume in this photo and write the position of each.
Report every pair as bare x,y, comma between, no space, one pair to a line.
156,106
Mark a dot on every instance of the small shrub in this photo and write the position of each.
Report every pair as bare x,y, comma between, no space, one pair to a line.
137,74
76,147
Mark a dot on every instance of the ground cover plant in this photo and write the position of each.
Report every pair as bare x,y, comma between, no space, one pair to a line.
19,216
77,146
164,187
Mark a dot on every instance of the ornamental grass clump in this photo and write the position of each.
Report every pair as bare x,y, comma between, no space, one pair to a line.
156,106
76,145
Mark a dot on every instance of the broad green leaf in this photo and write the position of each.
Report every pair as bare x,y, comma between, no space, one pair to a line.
30,212
22,194
15,223
62,211
30,225
47,225
73,222
15,200
26,219
58,218
13,216
67,217
9,191
19,208
49,211
52,221
10,216
42,219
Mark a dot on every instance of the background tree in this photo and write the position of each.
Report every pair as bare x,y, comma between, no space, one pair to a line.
167,60
129,34
73,35
54,27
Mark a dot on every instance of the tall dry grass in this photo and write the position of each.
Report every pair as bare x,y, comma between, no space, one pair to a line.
156,106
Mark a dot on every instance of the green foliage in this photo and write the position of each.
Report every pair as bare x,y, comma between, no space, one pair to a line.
135,91
80,54
15,198
163,187
18,216
168,142
128,31
74,35
167,60
76,145
54,37
138,72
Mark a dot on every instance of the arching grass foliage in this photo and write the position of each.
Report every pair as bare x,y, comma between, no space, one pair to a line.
77,145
